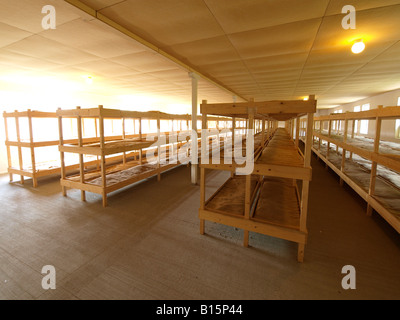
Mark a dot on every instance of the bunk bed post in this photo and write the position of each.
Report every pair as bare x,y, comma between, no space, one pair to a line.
371,192
202,169
123,138
263,132
158,149
140,137
328,144
297,131
320,132
306,183
62,156
247,201
97,135
21,165
8,146
233,141
32,149
102,156
346,128
353,129
80,144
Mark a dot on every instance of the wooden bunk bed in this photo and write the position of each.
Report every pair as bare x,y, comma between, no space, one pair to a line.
369,166
34,156
273,198
27,140
156,152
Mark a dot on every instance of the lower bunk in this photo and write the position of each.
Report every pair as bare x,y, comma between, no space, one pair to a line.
356,172
274,210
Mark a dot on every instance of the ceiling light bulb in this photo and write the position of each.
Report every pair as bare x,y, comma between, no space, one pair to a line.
89,80
358,47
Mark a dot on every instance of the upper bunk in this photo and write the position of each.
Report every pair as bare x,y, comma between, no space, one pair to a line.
282,158
376,149
275,152
104,145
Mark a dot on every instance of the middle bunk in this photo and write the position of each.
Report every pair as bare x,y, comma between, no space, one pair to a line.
272,197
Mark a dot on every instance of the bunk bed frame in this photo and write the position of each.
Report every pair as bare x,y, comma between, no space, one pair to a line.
155,155
388,208
269,200
35,170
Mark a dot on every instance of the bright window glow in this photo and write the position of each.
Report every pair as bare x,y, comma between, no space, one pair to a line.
398,101
356,109
398,129
364,123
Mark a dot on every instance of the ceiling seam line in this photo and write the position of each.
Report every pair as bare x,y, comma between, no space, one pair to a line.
312,46
234,48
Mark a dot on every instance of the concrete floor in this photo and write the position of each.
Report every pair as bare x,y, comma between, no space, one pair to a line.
146,245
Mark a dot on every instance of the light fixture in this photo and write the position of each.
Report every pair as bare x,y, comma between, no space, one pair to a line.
358,46
305,98
88,79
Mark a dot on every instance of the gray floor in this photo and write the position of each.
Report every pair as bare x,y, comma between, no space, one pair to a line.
146,245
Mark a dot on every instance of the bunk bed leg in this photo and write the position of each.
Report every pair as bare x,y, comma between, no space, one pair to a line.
202,226
32,149
20,159
202,196
246,238
104,196
300,252
247,201
8,147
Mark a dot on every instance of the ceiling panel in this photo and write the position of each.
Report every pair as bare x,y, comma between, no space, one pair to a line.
166,23
18,60
10,34
290,38
335,6
205,51
27,14
42,48
244,15
145,61
93,38
261,49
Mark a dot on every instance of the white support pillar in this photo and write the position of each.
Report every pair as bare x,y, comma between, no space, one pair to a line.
194,171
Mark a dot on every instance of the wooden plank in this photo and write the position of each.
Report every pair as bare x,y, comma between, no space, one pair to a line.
82,186
102,157
9,159
283,171
32,149
21,165
261,108
371,192
255,226
81,164
388,113
306,183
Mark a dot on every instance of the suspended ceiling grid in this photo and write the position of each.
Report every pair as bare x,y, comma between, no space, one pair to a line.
259,49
